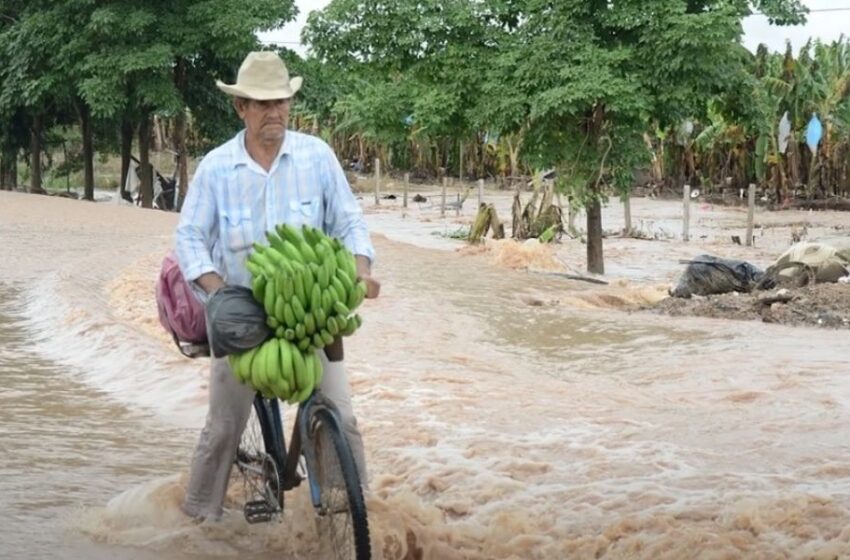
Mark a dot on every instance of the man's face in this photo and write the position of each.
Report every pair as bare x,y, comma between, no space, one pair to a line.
265,121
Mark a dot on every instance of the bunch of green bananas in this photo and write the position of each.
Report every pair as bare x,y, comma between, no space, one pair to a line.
307,283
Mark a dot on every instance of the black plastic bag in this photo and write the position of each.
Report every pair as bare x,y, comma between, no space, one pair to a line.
235,321
706,275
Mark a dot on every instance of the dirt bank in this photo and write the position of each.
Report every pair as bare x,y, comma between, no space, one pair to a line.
821,305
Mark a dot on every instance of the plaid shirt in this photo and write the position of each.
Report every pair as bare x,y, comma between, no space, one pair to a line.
232,202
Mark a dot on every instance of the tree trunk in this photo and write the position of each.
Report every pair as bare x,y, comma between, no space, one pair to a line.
146,172
180,131
595,260
9,171
127,130
88,149
35,154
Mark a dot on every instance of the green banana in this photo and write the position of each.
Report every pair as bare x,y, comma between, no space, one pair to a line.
258,364
310,234
272,322
289,315
279,306
318,370
323,277
318,341
341,293
275,240
309,278
290,234
304,344
332,326
347,284
341,309
255,269
280,332
261,260
289,334
345,261
307,253
327,302
326,336
316,298
272,364
291,252
286,372
258,287
268,297
298,308
299,367
335,295
321,318
300,331
357,295
288,287
299,290
309,323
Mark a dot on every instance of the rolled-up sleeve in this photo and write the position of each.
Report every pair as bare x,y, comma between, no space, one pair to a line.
195,228
343,216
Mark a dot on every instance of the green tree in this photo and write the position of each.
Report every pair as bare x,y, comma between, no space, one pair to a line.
585,78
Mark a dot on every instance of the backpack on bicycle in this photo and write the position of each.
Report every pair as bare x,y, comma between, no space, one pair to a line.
180,311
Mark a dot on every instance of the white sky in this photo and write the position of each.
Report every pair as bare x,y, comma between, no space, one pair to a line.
828,26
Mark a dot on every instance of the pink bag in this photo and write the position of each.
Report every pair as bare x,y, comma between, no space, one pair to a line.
180,312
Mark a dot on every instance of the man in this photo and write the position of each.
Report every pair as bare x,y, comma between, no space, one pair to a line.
264,176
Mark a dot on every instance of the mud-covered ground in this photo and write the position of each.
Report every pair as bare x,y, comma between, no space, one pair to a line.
821,305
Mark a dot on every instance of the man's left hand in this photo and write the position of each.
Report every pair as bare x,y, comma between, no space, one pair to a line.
364,272
373,286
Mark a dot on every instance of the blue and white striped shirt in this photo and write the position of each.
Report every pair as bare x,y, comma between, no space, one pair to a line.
233,201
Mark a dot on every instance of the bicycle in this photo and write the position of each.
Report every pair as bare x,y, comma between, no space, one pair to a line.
269,470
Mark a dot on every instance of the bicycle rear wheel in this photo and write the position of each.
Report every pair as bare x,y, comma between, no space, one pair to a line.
341,519
259,462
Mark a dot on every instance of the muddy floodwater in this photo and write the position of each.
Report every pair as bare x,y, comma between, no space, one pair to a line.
507,414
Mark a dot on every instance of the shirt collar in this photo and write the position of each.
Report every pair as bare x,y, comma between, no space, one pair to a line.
241,156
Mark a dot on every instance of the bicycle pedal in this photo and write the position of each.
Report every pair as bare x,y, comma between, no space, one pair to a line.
258,511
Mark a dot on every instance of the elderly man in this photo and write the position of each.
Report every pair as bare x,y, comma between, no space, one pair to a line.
263,176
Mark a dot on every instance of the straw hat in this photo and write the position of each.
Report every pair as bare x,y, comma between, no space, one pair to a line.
262,76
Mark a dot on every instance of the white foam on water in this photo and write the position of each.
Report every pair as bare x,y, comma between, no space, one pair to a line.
78,332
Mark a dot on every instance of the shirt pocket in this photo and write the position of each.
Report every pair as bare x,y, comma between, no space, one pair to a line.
237,229
306,211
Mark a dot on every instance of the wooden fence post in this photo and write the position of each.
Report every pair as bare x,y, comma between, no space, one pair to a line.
751,203
443,203
686,202
406,186
480,192
377,181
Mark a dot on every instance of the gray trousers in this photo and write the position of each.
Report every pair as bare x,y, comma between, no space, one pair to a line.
229,410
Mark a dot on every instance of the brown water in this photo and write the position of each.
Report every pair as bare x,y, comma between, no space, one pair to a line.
494,428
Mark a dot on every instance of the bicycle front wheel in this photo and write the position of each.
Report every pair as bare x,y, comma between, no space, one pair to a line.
341,515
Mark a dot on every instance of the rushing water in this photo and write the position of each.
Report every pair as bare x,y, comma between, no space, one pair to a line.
494,428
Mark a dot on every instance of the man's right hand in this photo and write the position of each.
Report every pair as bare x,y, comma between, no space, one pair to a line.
210,282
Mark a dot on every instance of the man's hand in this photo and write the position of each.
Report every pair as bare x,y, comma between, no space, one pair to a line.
210,282
364,272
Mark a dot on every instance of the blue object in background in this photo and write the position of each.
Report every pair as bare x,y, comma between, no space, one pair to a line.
814,133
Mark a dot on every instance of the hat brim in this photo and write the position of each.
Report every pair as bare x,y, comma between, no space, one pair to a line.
261,94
